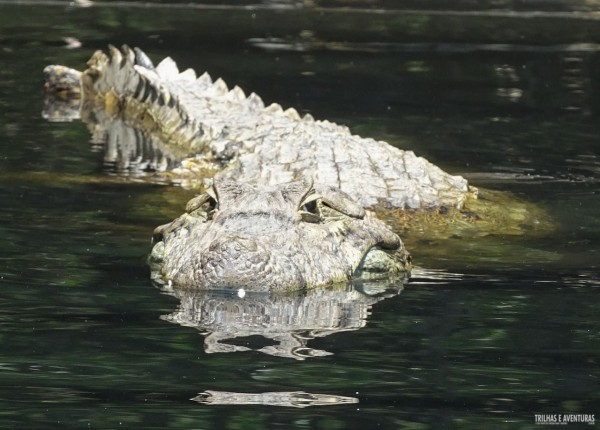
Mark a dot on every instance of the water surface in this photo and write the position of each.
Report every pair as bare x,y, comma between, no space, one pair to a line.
487,333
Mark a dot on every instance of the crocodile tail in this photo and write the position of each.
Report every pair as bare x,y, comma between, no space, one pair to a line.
129,86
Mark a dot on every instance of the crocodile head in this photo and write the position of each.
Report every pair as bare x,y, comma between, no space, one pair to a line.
277,238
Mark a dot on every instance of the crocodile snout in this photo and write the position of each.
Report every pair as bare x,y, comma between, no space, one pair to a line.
234,261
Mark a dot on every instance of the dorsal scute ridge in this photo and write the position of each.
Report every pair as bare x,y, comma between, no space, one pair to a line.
274,108
292,114
128,54
128,79
148,74
219,87
255,102
167,69
204,79
153,80
129,75
333,127
112,74
115,54
188,75
236,94
95,75
167,101
141,59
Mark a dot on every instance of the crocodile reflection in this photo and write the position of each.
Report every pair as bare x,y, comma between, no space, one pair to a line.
289,320
294,399
127,150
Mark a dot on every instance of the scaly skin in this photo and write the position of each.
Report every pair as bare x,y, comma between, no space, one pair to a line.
253,143
274,239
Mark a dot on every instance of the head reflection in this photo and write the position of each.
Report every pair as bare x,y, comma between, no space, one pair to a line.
277,324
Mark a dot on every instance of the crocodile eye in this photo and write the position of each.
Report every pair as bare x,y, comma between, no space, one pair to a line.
212,207
310,212
204,205
310,207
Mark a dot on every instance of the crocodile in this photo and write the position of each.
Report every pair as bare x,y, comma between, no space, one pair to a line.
195,131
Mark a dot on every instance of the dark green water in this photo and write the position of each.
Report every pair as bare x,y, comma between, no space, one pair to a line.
493,332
